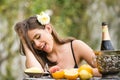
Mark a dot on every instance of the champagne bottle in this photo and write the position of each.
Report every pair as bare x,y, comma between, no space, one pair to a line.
106,43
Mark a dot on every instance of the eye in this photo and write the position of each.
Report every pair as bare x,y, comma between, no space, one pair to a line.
37,36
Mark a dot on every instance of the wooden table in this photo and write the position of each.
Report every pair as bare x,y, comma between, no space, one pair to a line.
94,78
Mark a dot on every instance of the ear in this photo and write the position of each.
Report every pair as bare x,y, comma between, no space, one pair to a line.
48,28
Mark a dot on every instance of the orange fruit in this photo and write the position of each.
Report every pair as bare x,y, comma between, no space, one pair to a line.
58,74
71,74
85,67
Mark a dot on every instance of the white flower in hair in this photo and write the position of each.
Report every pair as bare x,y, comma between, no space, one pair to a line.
43,18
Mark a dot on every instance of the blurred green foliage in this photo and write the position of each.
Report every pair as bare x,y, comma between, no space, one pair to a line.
77,18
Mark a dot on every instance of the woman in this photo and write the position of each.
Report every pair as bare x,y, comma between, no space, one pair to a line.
41,44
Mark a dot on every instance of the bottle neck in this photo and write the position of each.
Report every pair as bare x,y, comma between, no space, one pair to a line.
105,33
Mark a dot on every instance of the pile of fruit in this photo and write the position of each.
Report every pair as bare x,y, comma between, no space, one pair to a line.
84,72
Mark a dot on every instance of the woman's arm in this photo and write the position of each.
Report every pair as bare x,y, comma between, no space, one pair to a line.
85,52
31,61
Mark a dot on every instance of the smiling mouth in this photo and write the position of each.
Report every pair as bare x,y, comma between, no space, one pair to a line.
43,47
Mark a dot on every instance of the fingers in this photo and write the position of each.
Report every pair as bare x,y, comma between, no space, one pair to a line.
54,69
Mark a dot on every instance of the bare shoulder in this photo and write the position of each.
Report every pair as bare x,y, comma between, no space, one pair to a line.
78,43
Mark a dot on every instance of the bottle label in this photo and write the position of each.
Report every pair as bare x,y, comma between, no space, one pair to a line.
104,29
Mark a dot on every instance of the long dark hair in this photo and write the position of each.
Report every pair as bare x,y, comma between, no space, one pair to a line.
32,23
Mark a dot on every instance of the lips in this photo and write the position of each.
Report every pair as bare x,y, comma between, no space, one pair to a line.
43,47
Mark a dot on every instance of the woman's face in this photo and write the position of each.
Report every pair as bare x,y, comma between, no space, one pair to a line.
41,39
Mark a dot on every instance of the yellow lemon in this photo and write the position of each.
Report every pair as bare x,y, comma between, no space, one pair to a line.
85,67
33,70
71,74
58,74
84,75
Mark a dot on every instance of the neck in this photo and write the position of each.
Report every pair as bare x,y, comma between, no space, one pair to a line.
57,48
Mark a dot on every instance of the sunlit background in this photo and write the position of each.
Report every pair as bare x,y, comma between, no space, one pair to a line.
77,18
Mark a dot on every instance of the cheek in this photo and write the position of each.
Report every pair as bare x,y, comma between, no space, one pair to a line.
49,37
50,42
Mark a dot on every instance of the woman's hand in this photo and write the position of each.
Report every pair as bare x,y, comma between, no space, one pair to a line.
54,69
96,72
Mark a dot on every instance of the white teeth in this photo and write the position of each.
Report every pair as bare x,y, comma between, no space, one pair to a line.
42,47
